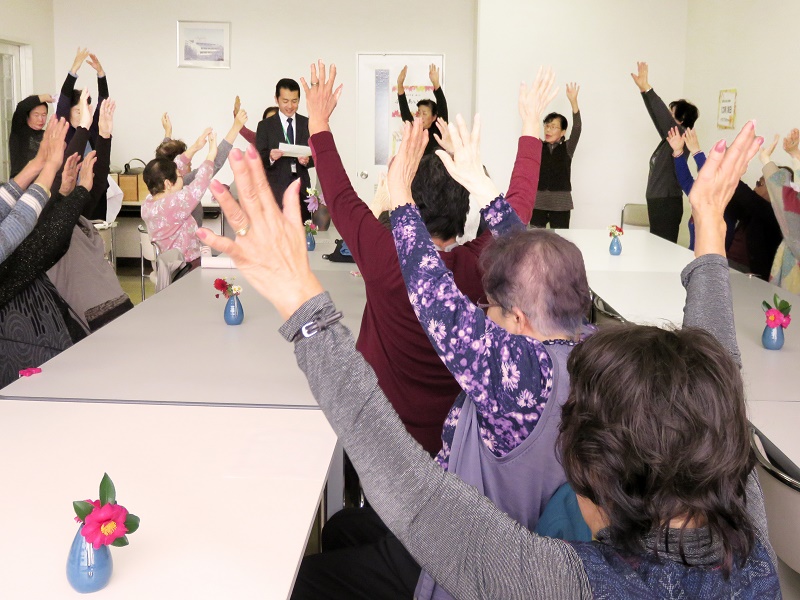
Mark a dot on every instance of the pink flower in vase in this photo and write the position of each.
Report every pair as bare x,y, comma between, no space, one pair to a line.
775,318
105,524
787,319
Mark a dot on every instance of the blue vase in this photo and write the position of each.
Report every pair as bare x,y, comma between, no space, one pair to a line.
88,570
772,338
234,313
616,246
311,243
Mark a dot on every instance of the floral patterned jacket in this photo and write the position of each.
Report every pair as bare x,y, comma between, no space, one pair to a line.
508,377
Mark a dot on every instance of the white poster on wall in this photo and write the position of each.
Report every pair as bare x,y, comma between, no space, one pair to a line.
726,115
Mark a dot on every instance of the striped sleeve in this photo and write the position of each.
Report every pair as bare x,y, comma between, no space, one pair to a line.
22,219
10,193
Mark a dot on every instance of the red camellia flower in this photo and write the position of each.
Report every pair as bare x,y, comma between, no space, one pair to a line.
105,524
220,284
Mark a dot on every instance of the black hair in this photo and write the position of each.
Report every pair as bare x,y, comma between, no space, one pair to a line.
286,84
686,113
157,171
430,104
269,109
442,201
553,116
76,98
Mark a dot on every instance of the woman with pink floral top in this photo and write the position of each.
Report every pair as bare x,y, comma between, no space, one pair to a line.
167,211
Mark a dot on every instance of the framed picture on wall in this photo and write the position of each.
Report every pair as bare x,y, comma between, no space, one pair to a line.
204,44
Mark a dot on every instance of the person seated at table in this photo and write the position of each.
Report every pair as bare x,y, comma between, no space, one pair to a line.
782,193
36,323
176,150
658,452
27,130
509,354
419,386
69,105
753,233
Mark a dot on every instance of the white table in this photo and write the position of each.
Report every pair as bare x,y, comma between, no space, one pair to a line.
642,252
779,422
225,499
175,348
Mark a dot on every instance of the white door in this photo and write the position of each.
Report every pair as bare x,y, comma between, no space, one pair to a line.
10,94
379,124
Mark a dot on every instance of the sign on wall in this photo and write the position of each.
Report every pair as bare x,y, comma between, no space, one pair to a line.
726,114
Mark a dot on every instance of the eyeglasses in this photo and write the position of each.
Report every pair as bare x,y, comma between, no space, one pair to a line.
484,305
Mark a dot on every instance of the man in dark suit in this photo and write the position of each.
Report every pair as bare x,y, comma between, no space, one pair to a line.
285,127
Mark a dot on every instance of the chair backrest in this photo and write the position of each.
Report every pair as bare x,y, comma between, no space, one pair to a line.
149,247
634,214
781,501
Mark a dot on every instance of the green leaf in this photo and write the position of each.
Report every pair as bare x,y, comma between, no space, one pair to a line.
132,523
120,542
108,495
82,509
776,300
765,305
784,306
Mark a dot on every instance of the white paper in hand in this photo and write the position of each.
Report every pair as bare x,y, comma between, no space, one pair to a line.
293,150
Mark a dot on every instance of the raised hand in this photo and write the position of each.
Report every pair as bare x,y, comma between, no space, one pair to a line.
86,110
714,186
166,123
534,100
55,144
94,62
405,163
241,118
690,137
237,104
640,77
86,179
401,80
444,140
433,74
199,142
271,252
69,174
212,146
466,166
80,56
790,143
572,95
675,140
321,97
46,98
765,155
105,123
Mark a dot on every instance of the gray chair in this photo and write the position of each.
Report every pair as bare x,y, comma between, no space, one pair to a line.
634,214
780,481
601,313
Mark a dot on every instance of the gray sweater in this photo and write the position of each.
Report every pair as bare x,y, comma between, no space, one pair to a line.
456,534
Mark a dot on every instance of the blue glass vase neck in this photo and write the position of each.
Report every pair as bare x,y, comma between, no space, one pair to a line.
234,313
772,338
615,247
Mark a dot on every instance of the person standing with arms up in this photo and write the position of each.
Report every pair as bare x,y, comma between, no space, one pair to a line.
554,198
664,197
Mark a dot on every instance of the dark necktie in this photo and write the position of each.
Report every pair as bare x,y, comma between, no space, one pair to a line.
290,131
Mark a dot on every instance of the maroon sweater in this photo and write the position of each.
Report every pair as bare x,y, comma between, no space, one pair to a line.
392,341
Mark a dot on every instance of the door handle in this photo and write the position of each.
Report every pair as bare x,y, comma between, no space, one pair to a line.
363,174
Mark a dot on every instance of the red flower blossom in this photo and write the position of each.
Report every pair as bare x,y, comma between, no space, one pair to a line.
105,524
221,285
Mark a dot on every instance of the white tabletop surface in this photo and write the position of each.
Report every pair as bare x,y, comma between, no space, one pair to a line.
225,498
175,347
641,251
779,422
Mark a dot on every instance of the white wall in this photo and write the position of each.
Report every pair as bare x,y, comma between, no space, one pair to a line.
747,45
597,45
30,22
137,46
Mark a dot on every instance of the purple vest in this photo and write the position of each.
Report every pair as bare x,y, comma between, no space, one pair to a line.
519,483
